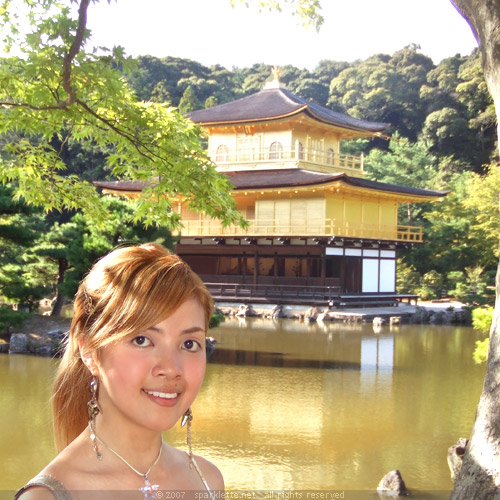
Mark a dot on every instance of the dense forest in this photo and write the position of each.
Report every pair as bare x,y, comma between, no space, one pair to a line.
442,136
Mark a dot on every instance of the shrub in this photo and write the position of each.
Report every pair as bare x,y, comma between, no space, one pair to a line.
480,354
10,318
407,278
471,287
426,292
216,319
482,318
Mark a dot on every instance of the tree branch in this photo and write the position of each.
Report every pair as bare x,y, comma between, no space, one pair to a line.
72,53
65,141
6,104
141,147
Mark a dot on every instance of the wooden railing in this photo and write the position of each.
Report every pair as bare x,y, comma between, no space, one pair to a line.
324,158
313,227
292,294
287,293
410,233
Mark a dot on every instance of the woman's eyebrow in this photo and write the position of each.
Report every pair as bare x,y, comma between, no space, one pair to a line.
193,329
153,329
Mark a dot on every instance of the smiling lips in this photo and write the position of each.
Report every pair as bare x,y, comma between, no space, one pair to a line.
163,395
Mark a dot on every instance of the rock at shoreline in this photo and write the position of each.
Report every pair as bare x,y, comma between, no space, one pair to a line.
246,311
392,485
41,335
18,343
311,314
450,316
456,456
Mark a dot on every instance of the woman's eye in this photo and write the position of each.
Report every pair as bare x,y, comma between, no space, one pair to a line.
191,345
141,341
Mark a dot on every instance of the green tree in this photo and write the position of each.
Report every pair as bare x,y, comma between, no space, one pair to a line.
189,101
405,164
460,115
58,90
160,93
449,242
327,70
448,133
76,245
19,228
309,88
150,71
47,260
384,88
462,230
472,92
255,77
471,87
482,203
211,102
61,252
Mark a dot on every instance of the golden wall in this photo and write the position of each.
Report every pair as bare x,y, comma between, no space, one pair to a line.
315,142
325,213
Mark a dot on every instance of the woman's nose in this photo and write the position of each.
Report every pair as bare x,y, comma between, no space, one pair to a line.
168,363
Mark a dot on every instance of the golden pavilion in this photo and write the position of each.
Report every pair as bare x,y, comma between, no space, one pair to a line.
317,227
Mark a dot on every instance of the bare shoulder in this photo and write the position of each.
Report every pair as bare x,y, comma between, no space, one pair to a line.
59,475
43,485
212,474
180,458
36,493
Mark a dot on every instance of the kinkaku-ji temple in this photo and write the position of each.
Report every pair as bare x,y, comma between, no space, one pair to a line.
318,230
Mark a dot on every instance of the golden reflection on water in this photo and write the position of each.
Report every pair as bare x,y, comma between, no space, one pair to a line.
329,406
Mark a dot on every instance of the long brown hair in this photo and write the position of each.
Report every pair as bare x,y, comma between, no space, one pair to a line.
125,292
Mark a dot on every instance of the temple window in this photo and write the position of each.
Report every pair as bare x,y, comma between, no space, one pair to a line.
222,153
275,150
330,156
300,151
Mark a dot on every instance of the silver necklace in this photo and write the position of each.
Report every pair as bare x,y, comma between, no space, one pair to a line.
148,489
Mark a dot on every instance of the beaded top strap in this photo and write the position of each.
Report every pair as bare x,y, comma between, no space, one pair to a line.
203,480
49,482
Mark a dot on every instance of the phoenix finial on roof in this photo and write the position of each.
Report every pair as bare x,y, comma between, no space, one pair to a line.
275,82
276,73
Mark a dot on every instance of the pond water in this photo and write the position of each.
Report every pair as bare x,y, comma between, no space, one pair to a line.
291,406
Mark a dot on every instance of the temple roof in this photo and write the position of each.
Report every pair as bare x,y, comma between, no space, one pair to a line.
293,177
283,178
275,103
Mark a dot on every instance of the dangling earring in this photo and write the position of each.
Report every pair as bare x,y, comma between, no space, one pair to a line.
187,419
93,404
94,410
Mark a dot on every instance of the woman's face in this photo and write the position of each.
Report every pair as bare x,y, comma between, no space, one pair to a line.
152,378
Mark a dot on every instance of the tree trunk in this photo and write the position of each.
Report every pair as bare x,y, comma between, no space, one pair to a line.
59,300
479,477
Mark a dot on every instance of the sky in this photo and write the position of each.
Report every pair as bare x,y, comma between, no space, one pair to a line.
211,32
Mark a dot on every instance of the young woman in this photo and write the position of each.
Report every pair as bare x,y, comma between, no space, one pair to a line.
134,362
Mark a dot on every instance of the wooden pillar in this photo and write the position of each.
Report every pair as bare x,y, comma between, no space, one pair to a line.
342,273
244,267
275,267
256,268
323,267
308,268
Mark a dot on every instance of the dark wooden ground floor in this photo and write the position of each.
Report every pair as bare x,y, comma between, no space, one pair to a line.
275,267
